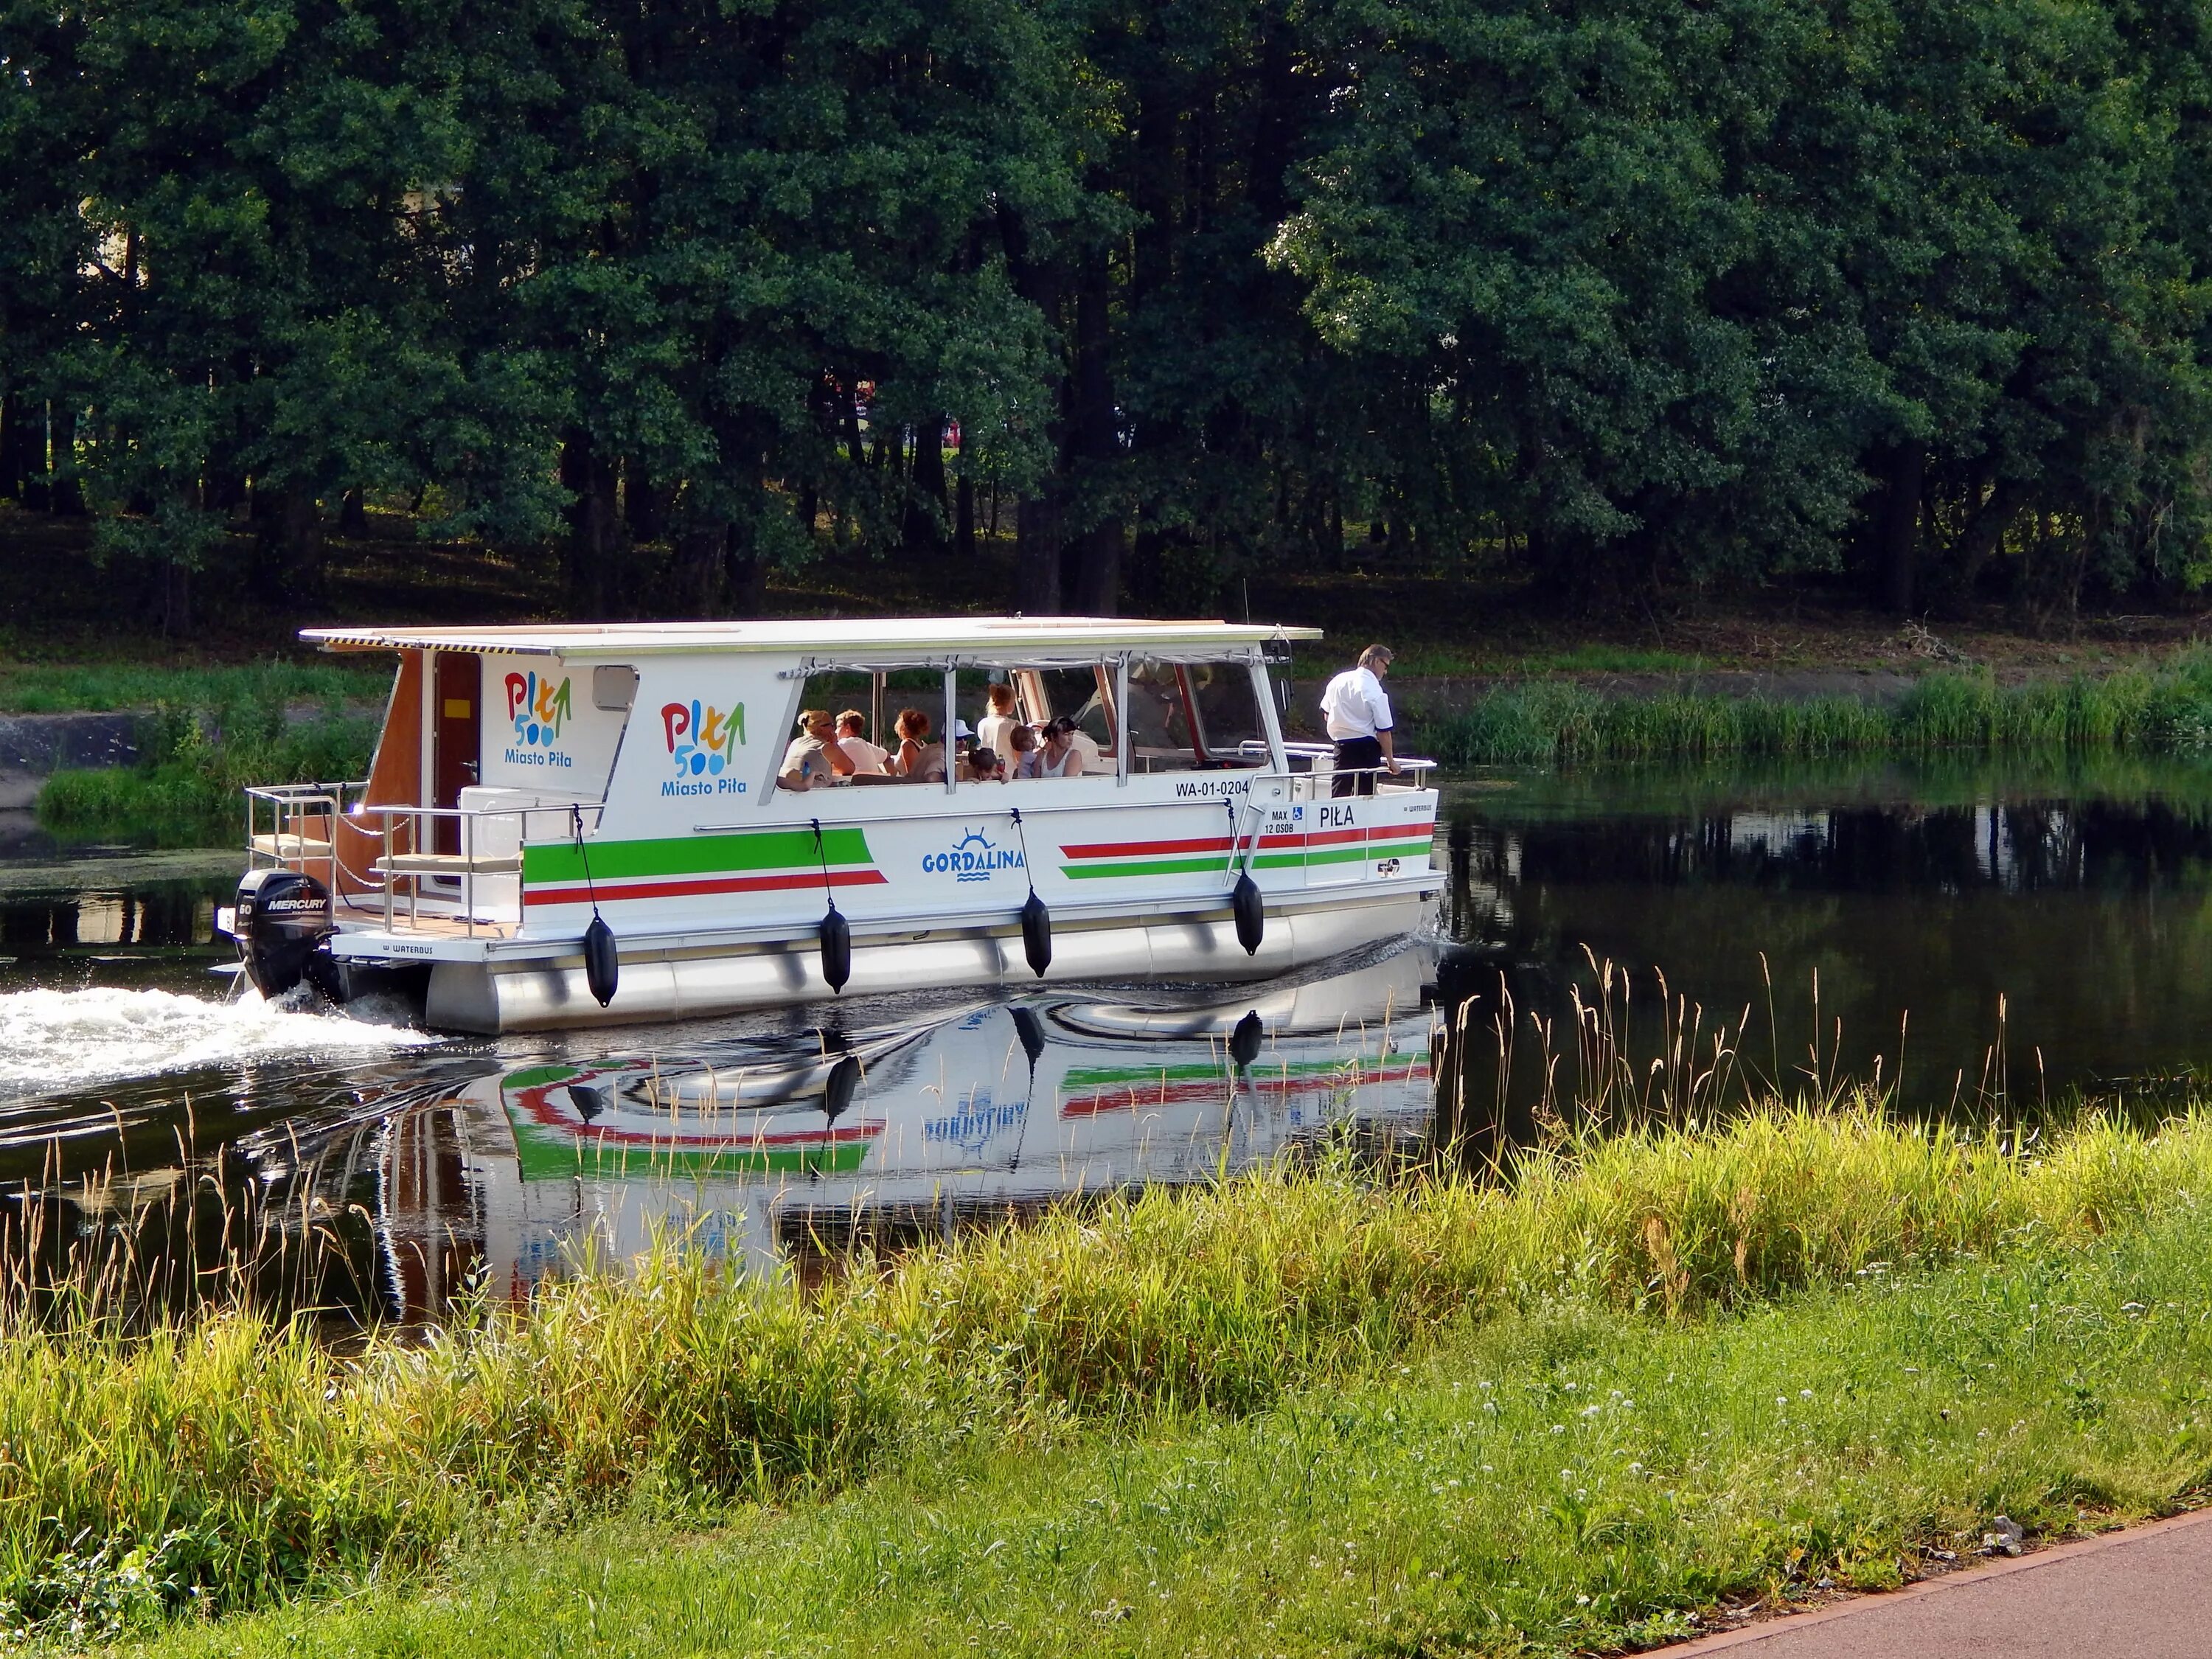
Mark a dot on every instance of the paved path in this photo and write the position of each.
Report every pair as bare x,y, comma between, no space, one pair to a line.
2145,1593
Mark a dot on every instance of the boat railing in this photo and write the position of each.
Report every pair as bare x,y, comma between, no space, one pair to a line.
1314,774
452,866
296,826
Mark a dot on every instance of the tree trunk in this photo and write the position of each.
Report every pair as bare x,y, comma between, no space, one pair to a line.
645,511
594,539
289,533
353,514
963,519
1900,525
695,572
173,587
744,573
1098,443
19,422
925,502
1037,538
66,495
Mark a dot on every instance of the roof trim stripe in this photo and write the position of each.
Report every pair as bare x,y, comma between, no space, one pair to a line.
1009,637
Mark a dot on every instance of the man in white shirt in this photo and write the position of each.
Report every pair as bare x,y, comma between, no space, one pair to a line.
853,739
1358,712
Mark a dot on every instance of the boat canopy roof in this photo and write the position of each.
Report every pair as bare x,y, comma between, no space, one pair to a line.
984,639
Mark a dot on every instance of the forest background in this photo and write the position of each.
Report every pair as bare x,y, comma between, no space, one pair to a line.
1597,296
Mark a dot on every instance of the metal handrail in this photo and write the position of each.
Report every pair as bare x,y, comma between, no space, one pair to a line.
392,815
290,803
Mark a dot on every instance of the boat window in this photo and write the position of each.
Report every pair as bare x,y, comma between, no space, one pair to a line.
877,695
1232,731
1194,715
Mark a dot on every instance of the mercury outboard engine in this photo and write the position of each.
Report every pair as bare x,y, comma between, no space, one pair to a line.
283,917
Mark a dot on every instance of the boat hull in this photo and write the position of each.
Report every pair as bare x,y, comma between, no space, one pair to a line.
492,996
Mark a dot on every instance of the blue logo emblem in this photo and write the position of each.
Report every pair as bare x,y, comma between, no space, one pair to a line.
973,858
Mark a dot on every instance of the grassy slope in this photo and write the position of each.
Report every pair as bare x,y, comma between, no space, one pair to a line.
248,1461
1568,1477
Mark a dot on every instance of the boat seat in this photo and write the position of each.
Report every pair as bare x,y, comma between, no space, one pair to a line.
448,863
293,847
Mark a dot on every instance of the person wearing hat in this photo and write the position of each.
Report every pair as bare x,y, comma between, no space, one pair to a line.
1357,711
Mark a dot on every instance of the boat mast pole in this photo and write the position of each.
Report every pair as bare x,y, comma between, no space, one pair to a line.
1121,720
951,752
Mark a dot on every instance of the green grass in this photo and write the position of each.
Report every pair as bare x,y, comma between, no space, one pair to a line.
52,688
196,760
1564,1477
2166,710
240,1460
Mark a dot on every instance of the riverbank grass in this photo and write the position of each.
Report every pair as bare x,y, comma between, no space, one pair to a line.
1568,1476
44,688
2162,710
231,1461
196,760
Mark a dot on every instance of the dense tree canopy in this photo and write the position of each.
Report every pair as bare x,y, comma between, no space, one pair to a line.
1610,291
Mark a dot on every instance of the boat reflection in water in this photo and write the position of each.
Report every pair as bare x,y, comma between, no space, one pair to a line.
766,1152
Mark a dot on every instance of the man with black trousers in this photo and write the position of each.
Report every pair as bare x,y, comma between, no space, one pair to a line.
1358,712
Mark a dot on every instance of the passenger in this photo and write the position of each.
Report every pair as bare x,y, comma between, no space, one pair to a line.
918,760
963,737
1021,751
1058,757
991,731
980,765
814,758
853,739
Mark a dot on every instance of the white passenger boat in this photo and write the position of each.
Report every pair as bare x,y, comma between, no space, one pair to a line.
588,825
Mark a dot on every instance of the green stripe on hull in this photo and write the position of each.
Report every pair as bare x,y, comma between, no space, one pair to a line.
1218,863
563,1158
756,852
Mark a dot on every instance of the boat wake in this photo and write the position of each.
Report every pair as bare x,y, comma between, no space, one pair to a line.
64,1039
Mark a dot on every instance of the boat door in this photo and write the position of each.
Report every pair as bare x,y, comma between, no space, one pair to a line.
456,726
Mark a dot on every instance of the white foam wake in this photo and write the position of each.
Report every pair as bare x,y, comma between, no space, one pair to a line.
65,1039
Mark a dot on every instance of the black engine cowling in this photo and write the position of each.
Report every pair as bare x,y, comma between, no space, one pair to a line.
283,916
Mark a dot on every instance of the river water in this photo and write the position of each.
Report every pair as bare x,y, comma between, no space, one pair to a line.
1981,936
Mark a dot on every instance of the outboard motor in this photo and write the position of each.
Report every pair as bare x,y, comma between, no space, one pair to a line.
283,917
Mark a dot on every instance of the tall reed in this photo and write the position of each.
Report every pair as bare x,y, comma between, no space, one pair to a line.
2168,709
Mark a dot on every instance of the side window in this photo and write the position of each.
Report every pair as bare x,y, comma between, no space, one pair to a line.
1230,728
1161,739
1083,695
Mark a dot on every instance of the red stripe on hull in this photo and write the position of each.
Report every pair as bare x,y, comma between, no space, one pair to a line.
1142,849
613,892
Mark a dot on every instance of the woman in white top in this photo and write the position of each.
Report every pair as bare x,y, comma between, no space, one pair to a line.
991,731
1058,757
918,760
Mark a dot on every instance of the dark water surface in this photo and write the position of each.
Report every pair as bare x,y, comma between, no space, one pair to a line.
2040,927
152,1121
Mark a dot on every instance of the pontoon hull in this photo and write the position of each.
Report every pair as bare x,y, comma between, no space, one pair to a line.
495,997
